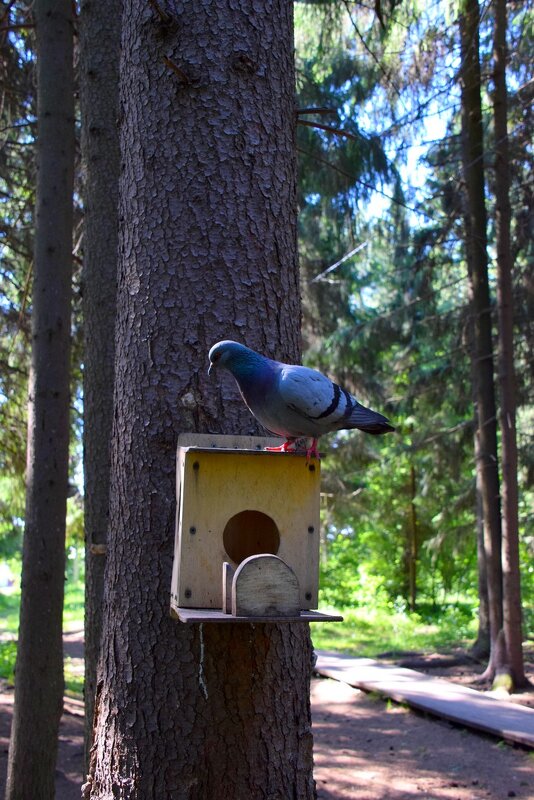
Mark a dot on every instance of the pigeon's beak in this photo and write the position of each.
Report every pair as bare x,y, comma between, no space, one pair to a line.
210,368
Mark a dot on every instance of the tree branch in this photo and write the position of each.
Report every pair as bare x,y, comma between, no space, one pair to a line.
164,17
175,68
16,27
327,128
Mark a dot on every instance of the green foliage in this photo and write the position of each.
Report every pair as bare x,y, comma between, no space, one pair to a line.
11,515
392,323
17,123
347,578
8,657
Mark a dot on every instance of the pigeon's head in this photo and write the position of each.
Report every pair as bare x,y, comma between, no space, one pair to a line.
227,354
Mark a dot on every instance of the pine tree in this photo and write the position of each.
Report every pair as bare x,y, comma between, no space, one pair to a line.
99,101
39,670
207,250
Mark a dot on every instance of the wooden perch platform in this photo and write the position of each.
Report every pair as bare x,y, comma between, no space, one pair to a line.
212,615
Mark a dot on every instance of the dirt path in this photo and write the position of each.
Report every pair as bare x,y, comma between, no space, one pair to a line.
70,750
365,749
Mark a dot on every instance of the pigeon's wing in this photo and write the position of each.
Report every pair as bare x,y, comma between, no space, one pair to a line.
314,397
325,405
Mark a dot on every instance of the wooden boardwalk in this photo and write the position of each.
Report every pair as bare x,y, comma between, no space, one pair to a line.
508,721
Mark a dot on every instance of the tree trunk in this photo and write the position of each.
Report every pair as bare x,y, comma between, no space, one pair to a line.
481,646
510,518
412,544
477,260
39,672
99,102
207,251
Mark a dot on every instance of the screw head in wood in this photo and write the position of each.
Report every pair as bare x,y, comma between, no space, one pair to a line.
187,593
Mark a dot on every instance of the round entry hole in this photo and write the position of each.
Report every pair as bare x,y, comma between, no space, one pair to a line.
250,533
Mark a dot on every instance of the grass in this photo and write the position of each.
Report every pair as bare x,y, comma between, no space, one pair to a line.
72,613
74,606
369,632
9,612
72,620
74,679
73,676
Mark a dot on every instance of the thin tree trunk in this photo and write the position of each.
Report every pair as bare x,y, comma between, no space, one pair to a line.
207,251
412,543
510,521
477,259
39,672
481,647
99,101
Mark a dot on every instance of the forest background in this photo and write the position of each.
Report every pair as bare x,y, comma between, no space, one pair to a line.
388,309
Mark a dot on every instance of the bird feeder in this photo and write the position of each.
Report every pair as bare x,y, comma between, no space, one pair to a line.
247,532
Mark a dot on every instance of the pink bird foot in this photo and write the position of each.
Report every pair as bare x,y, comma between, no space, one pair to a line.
287,447
312,452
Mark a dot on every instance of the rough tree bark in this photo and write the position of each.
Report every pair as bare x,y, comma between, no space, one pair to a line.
477,261
207,251
99,104
512,618
39,671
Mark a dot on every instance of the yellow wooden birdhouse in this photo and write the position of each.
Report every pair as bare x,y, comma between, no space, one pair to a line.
247,532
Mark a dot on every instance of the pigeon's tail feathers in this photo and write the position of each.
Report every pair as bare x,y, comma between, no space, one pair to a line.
369,421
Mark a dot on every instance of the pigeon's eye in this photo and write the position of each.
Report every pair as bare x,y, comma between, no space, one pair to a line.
215,357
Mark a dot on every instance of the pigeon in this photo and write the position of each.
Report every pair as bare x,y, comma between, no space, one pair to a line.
293,401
